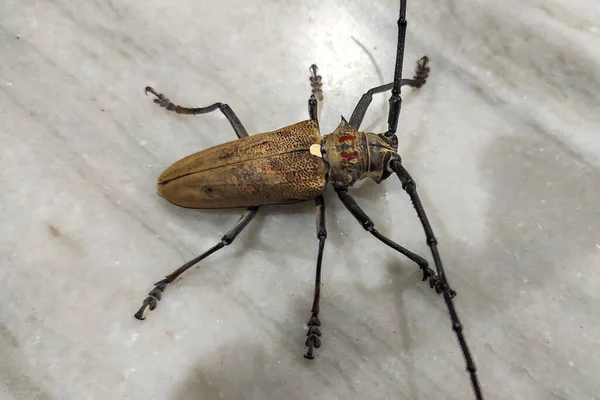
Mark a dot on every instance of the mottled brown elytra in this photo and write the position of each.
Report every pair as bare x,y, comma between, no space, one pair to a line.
295,163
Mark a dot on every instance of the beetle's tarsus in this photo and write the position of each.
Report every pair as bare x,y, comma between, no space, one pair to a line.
161,99
427,272
316,82
421,72
438,284
313,340
152,300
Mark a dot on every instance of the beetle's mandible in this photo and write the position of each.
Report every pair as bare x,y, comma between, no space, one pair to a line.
295,163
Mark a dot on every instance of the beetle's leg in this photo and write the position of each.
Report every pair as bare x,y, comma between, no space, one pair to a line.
313,340
312,108
155,295
441,283
233,119
421,74
316,82
317,94
369,226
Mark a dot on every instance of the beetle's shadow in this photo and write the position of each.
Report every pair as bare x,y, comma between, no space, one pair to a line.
275,367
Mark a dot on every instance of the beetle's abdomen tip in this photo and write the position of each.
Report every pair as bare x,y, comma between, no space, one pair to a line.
159,189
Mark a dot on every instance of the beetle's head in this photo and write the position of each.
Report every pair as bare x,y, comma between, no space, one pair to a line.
382,149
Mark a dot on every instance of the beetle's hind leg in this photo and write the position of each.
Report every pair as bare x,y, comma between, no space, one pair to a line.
233,119
155,294
313,340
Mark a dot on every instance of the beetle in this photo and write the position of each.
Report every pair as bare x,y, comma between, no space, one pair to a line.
296,163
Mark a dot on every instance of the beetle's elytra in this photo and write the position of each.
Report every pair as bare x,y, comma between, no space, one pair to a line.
268,168
296,163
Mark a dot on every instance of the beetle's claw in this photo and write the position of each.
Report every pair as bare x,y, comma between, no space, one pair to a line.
161,99
152,300
151,90
436,283
427,273
313,340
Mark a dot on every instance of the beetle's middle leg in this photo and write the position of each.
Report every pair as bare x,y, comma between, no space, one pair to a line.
155,295
317,93
313,341
233,119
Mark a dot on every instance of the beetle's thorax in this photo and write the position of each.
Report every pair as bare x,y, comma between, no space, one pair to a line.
352,155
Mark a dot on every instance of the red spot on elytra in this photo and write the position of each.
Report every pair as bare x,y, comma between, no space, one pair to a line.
289,177
271,168
347,138
228,152
286,133
349,154
234,180
250,189
260,147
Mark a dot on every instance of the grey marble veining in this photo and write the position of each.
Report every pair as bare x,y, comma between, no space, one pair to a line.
503,141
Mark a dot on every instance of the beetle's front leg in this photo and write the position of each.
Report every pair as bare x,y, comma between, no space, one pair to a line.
313,340
155,294
369,226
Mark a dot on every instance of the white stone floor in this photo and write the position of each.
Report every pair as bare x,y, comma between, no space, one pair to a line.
503,141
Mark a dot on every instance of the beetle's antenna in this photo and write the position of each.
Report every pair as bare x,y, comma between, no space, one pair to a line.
395,100
440,282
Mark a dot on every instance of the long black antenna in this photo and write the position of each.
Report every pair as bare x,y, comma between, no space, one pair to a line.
408,184
395,99
440,281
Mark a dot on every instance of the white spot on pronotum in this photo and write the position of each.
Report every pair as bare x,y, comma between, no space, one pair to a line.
9,83
315,150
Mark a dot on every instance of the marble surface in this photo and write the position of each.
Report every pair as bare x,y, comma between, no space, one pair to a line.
503,141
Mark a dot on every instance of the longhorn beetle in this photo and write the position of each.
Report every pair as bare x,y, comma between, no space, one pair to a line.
294,164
